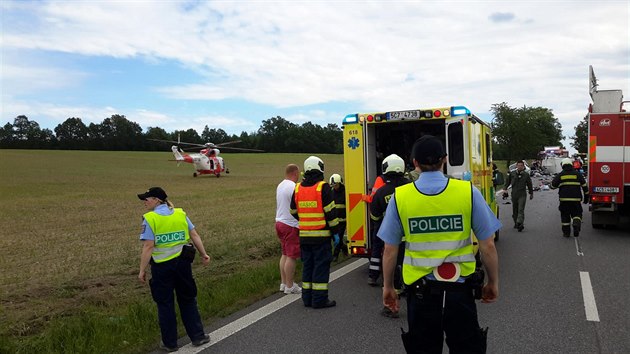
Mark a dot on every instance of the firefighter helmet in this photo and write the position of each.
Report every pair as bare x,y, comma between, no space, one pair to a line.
335,178
567,161
393,164
313,163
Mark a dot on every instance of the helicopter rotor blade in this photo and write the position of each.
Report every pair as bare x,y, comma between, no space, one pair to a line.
228,143
177,142
239,149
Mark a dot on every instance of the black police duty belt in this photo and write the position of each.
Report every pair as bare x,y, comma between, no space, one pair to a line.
423,285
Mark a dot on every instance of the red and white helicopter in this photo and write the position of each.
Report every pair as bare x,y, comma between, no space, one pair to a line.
207,161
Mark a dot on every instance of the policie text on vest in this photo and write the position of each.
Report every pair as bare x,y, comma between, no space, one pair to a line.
442,223
170,237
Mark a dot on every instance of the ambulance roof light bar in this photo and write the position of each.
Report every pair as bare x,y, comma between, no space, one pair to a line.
350,119
459,111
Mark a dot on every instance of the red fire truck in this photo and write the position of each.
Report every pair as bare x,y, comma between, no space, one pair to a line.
608,155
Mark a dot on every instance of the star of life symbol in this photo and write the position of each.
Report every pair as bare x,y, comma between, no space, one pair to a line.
353,143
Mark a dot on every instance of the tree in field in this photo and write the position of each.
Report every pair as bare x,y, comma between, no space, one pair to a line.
521,133
6,136
115,133
248,140
215,136
96,137
274,133
46,139
121,133
26,134
189,136
72,134
156,133
334,136
580,139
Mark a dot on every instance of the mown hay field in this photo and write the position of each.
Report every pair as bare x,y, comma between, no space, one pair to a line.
70,222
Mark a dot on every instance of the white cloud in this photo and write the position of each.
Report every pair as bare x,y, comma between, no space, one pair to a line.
382,55
317,116
19,79
147,118
50,115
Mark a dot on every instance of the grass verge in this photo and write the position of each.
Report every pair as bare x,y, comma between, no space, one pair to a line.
70,222
134,328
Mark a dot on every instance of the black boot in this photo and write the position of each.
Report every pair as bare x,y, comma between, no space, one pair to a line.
326,304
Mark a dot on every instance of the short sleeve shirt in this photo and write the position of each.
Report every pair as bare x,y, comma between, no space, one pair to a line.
284,192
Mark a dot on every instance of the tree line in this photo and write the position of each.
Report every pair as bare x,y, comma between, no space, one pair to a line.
119,133
519,133
522,132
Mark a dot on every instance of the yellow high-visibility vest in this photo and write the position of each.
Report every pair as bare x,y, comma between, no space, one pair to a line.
171,234
437,228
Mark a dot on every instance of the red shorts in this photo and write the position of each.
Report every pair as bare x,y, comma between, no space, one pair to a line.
290,239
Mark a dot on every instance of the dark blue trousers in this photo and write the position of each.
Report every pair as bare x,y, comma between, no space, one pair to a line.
429,321
376,256
166,277
316,260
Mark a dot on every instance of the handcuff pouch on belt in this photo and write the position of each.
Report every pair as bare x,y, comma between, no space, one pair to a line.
188,252
475,282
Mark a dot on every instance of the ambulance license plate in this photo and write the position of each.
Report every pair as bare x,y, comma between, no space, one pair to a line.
404,115
606,189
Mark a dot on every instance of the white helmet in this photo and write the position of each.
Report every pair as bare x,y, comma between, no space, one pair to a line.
313,163
567,161
335,178
393,164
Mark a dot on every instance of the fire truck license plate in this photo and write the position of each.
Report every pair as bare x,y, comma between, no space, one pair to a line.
606,189
404,115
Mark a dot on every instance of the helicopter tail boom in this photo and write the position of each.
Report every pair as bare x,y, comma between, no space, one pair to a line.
178,155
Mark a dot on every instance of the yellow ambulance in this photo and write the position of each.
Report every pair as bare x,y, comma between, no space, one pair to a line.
370,137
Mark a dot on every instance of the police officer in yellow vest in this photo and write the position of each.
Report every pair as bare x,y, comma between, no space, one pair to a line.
165,234
313,205
436,215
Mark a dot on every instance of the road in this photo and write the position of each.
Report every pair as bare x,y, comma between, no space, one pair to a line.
557,295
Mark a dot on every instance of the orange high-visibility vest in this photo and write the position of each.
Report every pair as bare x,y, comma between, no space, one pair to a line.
310,210
378,183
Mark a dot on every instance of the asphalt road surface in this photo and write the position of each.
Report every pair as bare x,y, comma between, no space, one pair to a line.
557,295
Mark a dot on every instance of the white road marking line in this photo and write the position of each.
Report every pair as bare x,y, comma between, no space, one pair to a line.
253,317
578,247
589,298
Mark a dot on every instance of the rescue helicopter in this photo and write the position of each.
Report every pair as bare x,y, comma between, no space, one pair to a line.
207,161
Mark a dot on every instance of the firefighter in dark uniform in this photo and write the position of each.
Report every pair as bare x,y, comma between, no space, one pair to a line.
393,168
394,171
436,215
313,205
339,196
571,185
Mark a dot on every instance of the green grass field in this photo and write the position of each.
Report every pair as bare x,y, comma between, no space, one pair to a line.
70,226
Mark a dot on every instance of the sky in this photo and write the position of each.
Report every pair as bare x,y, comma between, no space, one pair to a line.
232,64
